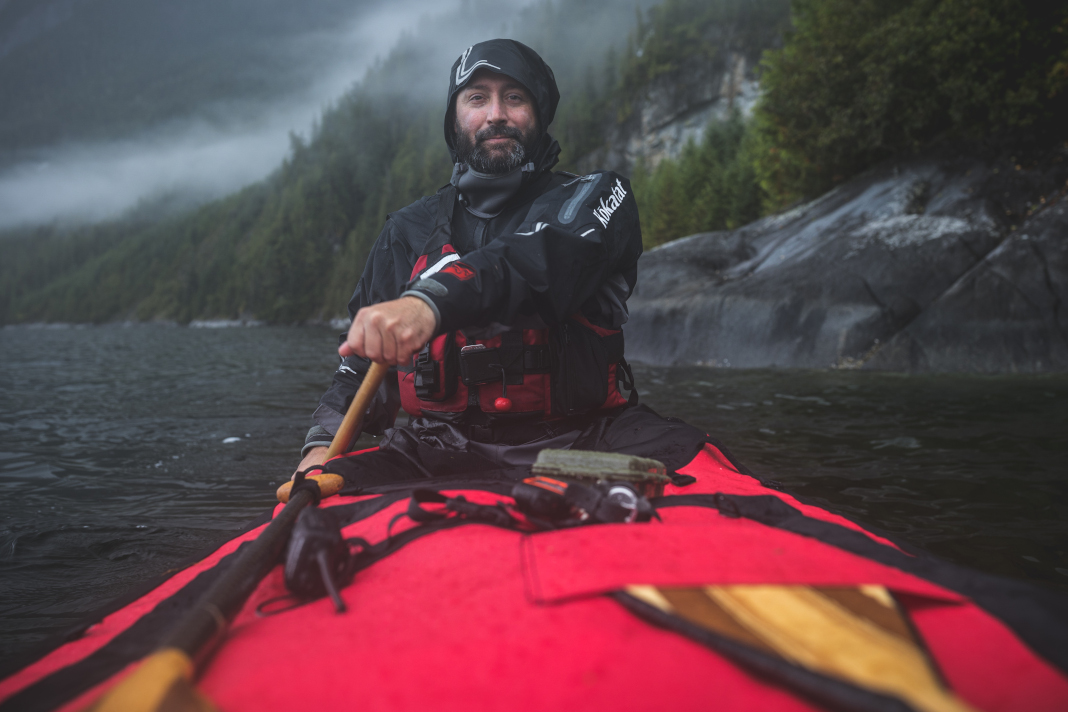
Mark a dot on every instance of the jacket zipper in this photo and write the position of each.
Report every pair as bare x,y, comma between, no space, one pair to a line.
566,362
480,233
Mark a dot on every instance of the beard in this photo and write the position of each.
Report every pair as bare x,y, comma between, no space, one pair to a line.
495,160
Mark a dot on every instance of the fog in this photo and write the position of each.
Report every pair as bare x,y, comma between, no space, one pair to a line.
225,148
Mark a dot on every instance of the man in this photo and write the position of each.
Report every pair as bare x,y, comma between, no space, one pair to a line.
499,299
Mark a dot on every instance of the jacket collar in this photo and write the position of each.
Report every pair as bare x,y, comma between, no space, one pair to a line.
485,196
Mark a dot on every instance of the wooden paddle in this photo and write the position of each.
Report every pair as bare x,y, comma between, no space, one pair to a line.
854,634
350,427
163,680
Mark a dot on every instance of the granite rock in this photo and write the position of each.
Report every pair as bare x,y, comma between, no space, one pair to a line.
928,264
1005,314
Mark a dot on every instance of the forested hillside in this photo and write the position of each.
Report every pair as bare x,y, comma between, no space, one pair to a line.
850,84
854,83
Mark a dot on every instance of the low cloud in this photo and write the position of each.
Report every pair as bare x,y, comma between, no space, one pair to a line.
229,148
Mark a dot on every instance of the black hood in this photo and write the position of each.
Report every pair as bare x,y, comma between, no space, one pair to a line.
512,59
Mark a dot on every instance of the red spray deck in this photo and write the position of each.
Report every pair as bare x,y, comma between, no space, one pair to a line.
472,616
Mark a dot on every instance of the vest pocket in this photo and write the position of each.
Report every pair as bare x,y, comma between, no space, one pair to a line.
580,369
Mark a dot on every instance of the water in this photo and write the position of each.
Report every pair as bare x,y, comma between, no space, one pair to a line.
113,467
969,468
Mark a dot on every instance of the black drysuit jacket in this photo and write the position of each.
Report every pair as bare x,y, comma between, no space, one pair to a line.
562,245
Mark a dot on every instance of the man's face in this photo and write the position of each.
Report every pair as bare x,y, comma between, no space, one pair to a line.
496,123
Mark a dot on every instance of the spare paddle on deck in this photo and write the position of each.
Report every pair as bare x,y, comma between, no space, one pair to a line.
857,635
162,680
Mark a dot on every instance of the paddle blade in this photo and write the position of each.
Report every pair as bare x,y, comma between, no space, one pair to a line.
160,684
855,635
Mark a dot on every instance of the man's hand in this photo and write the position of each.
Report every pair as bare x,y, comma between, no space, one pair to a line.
315,456
390,332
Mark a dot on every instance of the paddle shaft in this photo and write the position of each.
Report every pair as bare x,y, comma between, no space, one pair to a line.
350,426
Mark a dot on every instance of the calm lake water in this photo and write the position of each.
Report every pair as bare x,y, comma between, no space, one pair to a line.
113,466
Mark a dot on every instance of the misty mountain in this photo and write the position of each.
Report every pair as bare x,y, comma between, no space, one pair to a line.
117,102
291,247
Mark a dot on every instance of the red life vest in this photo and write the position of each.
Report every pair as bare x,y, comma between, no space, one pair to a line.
570,369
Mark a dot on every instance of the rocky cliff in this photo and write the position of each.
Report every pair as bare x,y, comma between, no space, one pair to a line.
928,264
677,105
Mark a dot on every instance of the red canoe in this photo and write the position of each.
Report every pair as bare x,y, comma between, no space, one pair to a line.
459,614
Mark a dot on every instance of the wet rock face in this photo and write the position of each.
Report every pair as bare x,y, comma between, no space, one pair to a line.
1007,314
677,107
926,265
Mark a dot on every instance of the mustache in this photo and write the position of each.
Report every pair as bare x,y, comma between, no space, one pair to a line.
498,132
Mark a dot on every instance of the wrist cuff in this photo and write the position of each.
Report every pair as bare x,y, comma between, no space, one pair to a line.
317,436
309,446
429,302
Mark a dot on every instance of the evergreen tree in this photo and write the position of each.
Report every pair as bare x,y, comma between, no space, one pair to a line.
858,81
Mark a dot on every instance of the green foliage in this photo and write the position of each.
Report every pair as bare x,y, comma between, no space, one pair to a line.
858,81
580,120
711,186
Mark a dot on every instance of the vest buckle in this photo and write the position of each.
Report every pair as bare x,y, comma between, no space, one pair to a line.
427,374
